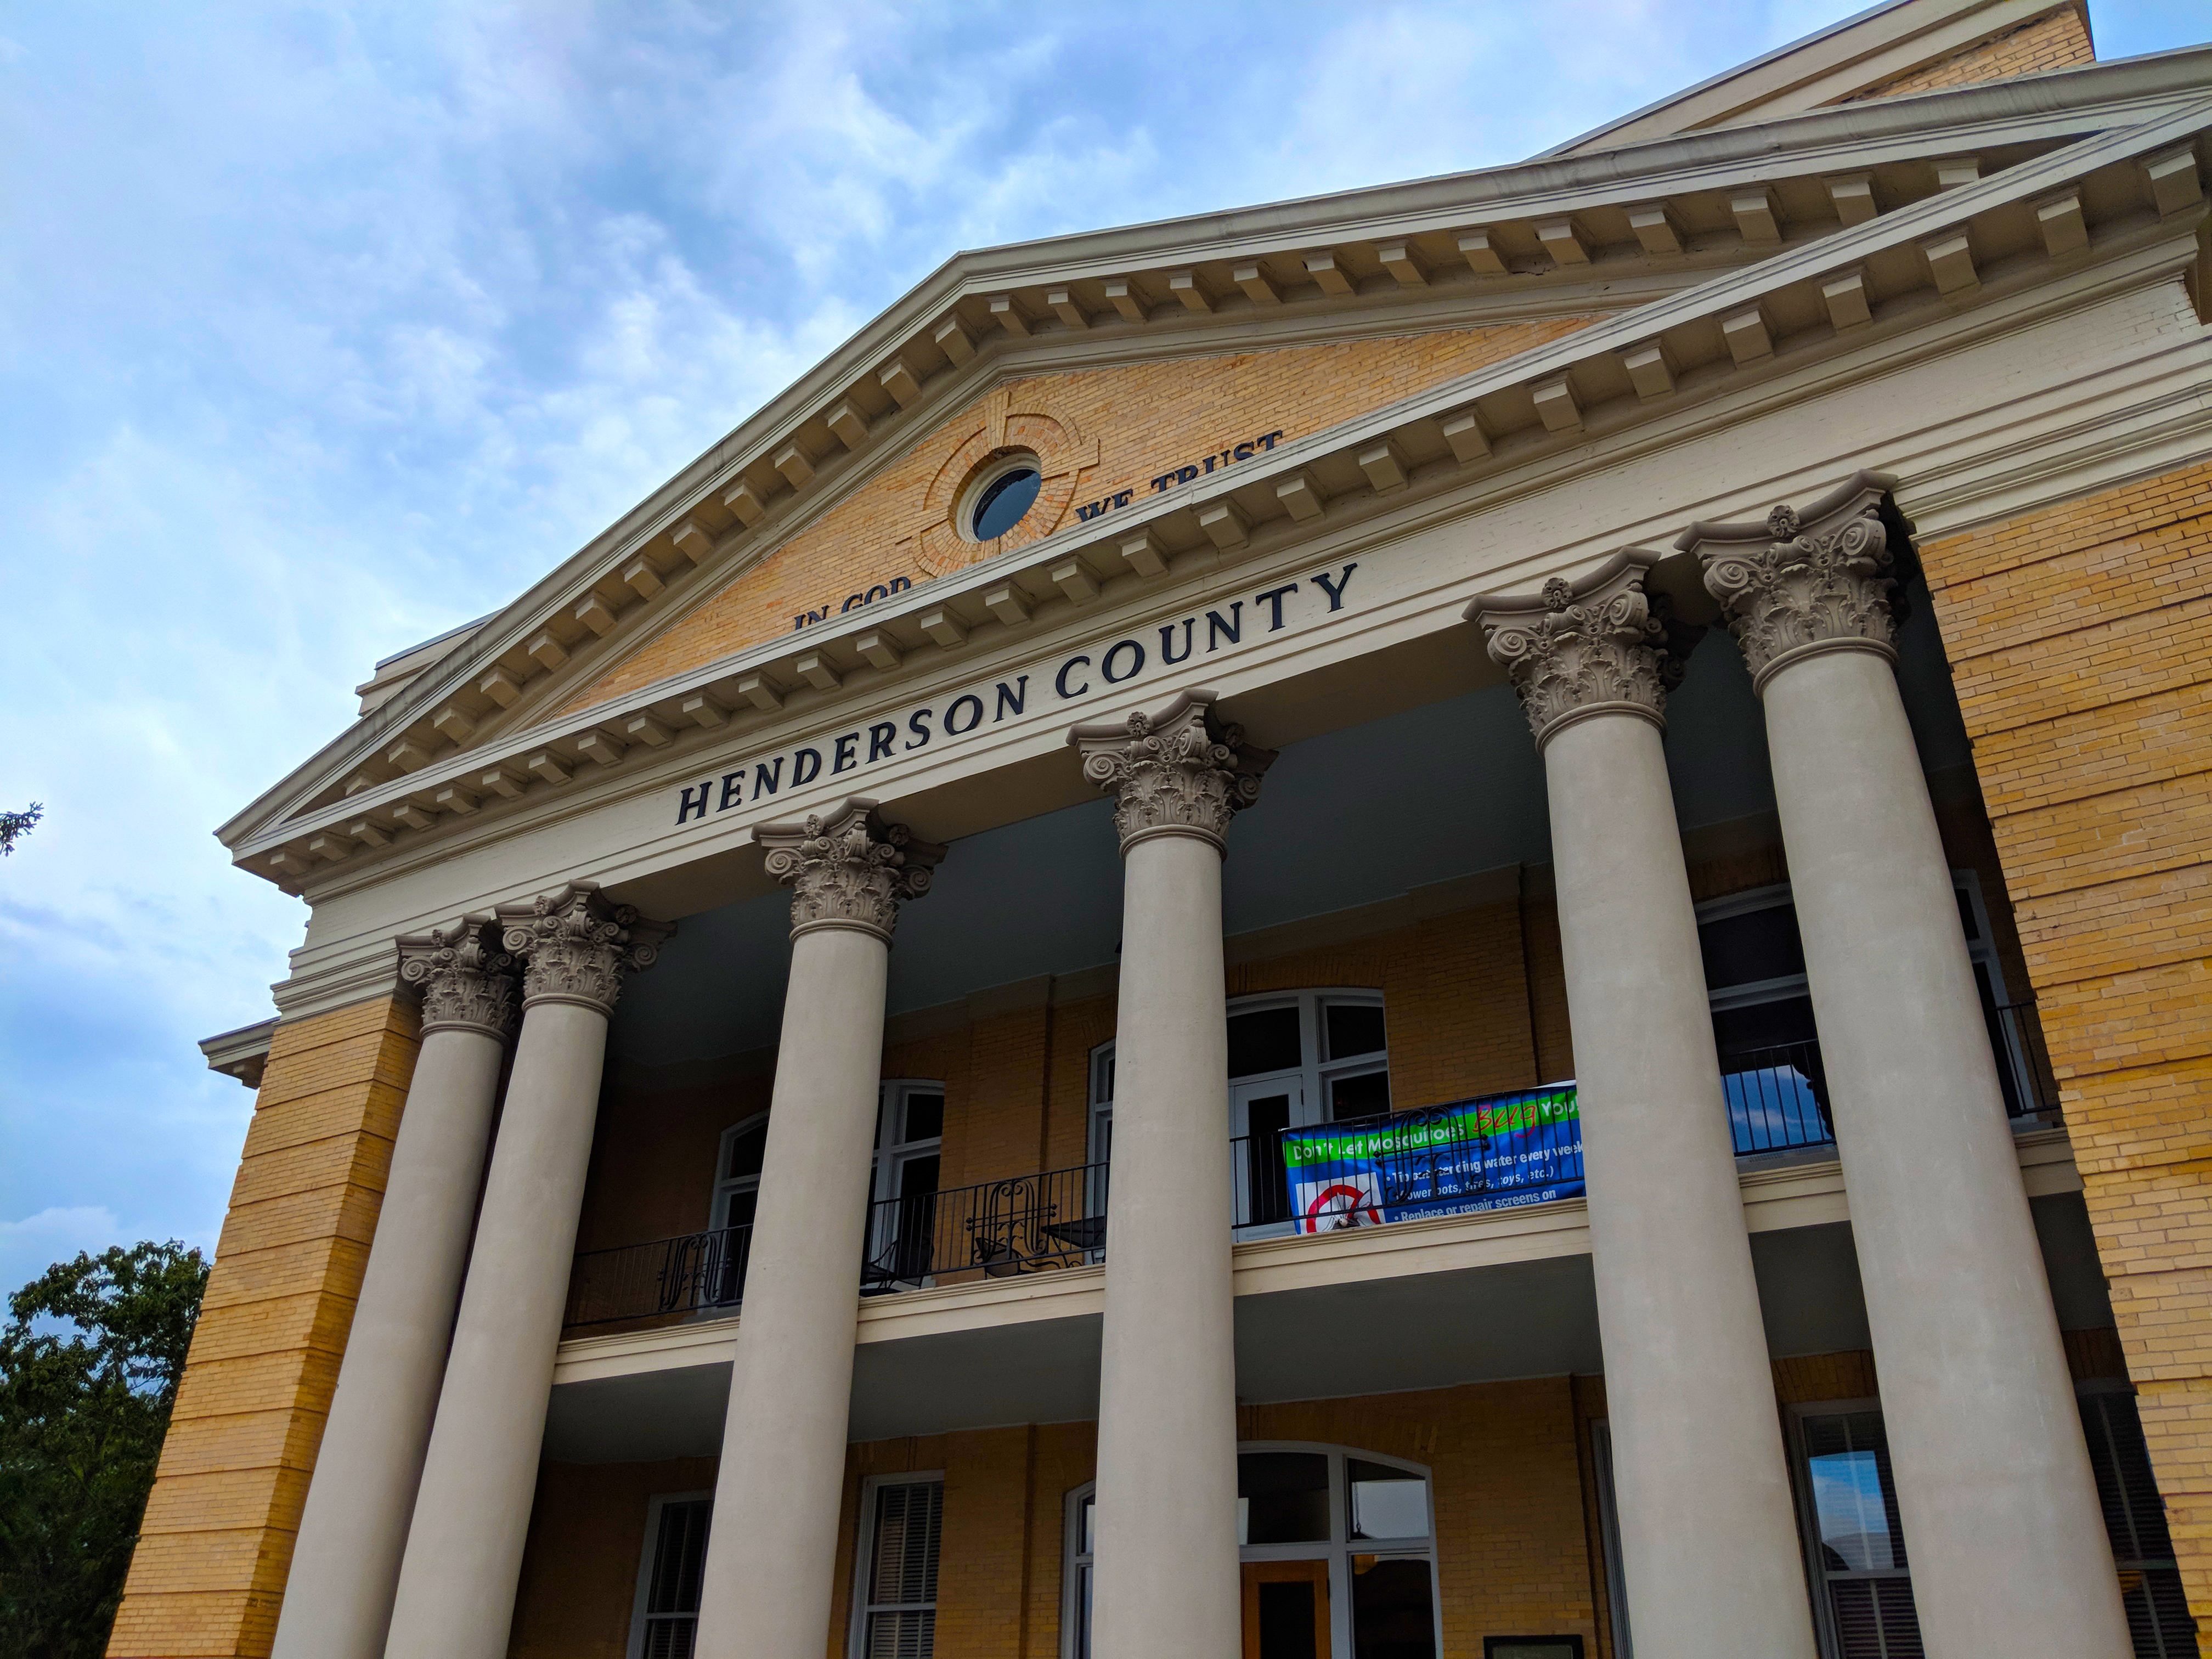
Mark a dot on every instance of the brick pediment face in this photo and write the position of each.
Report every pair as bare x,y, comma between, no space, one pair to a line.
1098,434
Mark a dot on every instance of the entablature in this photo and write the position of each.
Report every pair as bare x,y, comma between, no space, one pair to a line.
1630,378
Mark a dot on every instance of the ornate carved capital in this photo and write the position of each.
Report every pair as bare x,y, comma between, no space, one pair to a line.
850,869
576,946
1180,772
1597,645
1821,579
465,981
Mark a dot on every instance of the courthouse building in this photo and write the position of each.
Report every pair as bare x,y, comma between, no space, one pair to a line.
1588,780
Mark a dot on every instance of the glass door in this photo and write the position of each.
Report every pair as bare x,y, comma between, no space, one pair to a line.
1260,1110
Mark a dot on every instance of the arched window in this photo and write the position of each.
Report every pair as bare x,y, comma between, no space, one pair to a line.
1333,1539
1294,1058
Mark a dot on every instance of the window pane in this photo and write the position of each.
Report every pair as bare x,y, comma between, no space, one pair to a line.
1087,1528
745,1151
1763,1025
1853,1499
1755,945
1287,1619
918,1176
910,1635
679,1552
1387,1503
1354,1028
1282,1498
925,1116
671,1639
1266,1040
1391,1614
907,1521
741,1209
1875,1618
1367,1095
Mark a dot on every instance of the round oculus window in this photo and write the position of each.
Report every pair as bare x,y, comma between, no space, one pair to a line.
1003,501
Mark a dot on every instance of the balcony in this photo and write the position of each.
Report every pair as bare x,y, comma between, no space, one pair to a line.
1497,1151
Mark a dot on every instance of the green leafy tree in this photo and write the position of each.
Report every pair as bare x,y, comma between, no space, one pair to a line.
89,1362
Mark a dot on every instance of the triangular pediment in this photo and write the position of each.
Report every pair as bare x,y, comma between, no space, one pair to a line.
1260,346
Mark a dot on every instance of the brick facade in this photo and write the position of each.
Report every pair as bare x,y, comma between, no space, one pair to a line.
2076,636
208,1574
2058,39
1190,406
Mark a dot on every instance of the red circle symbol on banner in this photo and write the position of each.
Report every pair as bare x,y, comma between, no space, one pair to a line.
1334,1208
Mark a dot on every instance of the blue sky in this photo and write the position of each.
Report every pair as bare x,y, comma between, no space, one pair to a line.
324,328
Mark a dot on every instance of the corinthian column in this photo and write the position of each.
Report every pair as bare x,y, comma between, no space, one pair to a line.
456,1594
1166,1579
2000,1511
337,1598
771,1558
1708,1535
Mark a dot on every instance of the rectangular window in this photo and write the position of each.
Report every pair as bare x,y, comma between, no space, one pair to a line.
665,1623
896,1617
1864,1584
2135,1518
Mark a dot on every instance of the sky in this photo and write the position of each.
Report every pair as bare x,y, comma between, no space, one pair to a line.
325,328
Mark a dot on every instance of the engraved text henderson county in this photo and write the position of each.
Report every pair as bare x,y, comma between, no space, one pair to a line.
1126,659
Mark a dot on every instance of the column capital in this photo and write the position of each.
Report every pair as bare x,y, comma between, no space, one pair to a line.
466,982
1182,771
1597,645
850,869
576,945
1805,581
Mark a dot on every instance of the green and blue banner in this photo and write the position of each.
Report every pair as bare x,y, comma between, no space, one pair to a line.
1498,1152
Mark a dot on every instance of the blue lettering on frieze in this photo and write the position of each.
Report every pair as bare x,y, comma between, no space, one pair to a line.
1121,663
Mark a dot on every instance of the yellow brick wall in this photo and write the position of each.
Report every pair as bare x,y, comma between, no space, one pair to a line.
1146,417
2077,640
208,1574
2058,39
1508,1490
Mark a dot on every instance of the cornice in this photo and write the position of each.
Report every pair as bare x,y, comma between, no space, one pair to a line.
1788,158
1986,225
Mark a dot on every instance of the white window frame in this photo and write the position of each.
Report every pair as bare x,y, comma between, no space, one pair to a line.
891,1153
1313,1074
863,1550
635,1648
1337,1550
718,1204
1808,1515
1980,950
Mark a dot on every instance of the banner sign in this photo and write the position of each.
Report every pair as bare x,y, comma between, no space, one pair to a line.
1498,1152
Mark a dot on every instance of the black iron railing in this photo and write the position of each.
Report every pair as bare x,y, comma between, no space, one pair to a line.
994,1230
1436,1160
1778,1097
699,1273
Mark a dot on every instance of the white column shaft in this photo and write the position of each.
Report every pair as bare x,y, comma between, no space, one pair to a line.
338,1597
1166,1580
1999,1508
771,1559
1708,1534
456,1598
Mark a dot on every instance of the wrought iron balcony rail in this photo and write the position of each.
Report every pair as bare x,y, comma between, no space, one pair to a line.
1488,1153
698,1273
1778,1097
